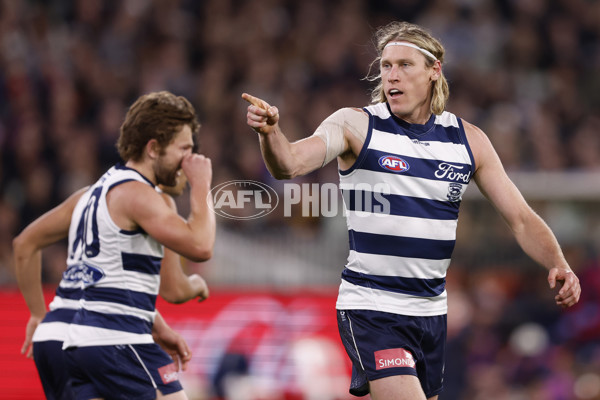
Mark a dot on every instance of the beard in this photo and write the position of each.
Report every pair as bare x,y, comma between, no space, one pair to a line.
164,175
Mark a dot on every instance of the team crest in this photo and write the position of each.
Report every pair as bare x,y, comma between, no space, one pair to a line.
454,191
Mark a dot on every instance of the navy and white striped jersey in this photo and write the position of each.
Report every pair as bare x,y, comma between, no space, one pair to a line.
401,198
66,299
118,270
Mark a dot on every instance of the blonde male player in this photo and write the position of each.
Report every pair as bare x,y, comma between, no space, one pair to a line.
392,298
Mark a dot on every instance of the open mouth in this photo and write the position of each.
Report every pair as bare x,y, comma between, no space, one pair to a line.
395,93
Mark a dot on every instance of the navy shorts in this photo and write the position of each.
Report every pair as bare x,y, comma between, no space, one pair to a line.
132,371
51,366
382,344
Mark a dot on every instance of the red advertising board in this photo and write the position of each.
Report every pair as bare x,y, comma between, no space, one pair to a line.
263,344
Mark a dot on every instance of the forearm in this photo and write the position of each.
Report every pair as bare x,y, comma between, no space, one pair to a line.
202,220
28,266
277,154
537,240
159,327
175,286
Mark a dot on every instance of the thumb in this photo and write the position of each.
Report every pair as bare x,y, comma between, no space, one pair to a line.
25,346
552,278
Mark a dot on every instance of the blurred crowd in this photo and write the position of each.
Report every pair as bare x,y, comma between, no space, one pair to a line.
526,71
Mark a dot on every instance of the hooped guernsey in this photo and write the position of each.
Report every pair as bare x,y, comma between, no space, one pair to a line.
402,198
119,271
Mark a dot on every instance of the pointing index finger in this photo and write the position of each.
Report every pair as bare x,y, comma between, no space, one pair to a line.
255,101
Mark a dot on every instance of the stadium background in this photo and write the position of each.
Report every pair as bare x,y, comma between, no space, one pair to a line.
526,72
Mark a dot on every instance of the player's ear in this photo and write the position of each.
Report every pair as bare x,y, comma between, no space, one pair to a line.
153,149
436,70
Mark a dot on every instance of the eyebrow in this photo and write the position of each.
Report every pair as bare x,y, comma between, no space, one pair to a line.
392,60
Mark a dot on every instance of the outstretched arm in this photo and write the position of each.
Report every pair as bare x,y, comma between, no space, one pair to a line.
27,249
283,159
531,232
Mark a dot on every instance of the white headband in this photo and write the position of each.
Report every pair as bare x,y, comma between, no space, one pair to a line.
414,46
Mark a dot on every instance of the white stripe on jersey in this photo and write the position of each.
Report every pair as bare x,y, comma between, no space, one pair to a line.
51,331
397,225
118,309
139,282
102,337
132,280
405,267
360,298
139,244
380,110
446,119
60,302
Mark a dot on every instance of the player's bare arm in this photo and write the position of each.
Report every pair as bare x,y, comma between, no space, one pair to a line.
336,137
283,159
175,285
171,342
27,249
531,232
134,204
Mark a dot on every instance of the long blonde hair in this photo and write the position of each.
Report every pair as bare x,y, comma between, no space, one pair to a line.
406,32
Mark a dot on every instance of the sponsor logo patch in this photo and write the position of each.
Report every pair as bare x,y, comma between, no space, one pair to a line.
168,373
83,273
393,358
394,164
452,172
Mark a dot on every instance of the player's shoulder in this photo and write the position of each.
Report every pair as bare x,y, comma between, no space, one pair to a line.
351,114
135,193
473,132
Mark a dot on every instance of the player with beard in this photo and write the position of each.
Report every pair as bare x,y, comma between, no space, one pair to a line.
116,237
45,331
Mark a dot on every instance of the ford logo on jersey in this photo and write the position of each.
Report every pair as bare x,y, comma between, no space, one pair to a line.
83,273
394,164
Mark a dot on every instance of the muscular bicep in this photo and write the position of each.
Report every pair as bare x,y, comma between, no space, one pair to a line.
309,154
139,205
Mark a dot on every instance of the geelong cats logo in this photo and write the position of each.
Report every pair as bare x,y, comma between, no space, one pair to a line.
454,191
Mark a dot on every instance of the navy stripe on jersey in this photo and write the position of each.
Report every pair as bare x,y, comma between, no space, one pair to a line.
69,293
398,126
143,301
60,315
359,200
421,168
141,263
400,246
125,323
397,284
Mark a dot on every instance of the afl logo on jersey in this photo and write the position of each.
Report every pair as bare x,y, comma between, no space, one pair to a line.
394,164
